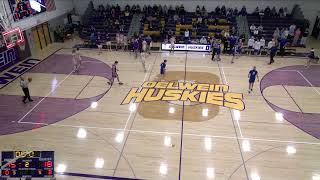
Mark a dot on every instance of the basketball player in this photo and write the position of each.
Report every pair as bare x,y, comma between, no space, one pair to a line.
24,85
76,60
234,52
253,74
172,42
163,67
213,46
115,74
218,51
136,48
273,52
312,58
99,44
144,45
143,61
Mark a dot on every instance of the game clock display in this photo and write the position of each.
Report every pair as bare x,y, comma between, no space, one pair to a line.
34,164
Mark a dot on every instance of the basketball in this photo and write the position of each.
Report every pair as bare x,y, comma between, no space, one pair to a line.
29,79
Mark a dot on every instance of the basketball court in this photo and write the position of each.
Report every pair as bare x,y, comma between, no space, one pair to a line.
80,117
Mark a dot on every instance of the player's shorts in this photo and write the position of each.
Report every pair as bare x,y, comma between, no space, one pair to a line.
162,71
100,46
250,47
252,80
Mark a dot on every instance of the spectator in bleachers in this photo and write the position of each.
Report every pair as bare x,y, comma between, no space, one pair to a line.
256,32
274,12
292,29
304,37
176,18
165,10
286,33
267,11
138,9
285,13
276,33
252,28
203,40
262,43
218,11
256,11
281,12
257,47
282,43
121,27
250,44
223,11
297,34
108,41
199,20
186,35
117,40
235,12
198,10
183,19
243,11
260,29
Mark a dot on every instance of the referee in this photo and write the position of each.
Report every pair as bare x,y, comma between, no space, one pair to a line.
24,85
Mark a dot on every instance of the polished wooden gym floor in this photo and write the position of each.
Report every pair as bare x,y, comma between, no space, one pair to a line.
79,116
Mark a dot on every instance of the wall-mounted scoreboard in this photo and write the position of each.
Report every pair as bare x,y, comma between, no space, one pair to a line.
27,164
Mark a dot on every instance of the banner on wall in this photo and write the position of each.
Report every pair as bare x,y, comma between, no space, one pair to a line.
187,47
8,58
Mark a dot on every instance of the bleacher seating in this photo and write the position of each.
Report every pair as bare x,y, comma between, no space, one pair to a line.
105,20
270,24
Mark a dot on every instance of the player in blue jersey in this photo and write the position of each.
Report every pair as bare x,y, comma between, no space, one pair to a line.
234,52
218,51
163,67
253,74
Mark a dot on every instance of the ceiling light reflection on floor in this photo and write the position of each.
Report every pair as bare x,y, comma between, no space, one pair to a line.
279,116
94,105
255,176
163,170
119,137
208,143
61,168
171,110
132,107
316,177
99,163
291,150
167,141
205,112
210,173
236,115
82,133
246,147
